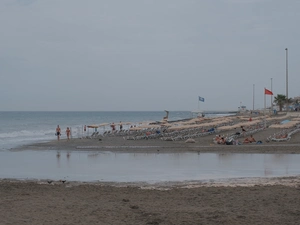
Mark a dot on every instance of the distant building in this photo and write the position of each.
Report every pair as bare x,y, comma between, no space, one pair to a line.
296,99
242,109
296,103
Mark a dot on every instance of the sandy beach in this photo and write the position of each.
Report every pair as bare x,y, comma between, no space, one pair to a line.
58,203
202,144
249,201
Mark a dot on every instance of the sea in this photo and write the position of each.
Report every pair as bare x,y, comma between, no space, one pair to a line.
20,128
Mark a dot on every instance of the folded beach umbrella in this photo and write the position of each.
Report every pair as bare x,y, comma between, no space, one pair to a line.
103,124
135,128
123,123
149,126
206,124
249,123
177,127
165,125
93,126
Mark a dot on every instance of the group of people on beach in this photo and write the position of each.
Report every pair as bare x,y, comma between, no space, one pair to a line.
113,126
224,141
221,140
249,140
58,132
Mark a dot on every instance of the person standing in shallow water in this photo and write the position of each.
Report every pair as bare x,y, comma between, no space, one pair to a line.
58,132
68,132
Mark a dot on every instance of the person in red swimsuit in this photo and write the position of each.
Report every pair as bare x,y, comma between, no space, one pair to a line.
68,132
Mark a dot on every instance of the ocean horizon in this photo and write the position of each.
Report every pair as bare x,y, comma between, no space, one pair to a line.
25,127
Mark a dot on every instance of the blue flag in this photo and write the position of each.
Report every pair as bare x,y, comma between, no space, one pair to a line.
201,99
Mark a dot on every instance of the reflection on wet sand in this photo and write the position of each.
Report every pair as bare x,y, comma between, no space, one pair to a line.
148,167
93,155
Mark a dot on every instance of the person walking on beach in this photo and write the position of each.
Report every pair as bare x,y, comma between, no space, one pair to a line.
58,132
68,132
113,127
121,125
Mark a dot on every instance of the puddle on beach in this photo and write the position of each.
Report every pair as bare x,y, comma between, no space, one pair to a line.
143,167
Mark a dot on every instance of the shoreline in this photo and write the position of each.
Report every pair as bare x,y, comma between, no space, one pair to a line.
290,181
118,144
268,200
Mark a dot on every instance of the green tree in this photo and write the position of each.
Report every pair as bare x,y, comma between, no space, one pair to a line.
281,100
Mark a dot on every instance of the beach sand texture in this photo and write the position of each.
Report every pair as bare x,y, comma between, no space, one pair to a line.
269,201
32,203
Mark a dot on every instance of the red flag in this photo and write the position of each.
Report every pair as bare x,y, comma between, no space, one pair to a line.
268,92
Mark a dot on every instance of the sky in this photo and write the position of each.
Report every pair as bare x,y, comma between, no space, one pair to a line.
146,55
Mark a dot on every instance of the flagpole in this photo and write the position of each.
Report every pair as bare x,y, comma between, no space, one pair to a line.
265,108
271,95
253,96
287,83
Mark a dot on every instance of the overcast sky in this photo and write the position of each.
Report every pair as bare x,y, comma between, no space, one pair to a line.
146,54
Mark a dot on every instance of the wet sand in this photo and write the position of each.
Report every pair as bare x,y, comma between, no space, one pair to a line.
262,201
66,203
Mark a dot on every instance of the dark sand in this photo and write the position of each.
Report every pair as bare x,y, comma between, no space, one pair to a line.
262,201
34,203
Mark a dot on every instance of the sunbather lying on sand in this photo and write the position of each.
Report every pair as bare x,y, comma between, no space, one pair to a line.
249,140
280,136
219,139
222,141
